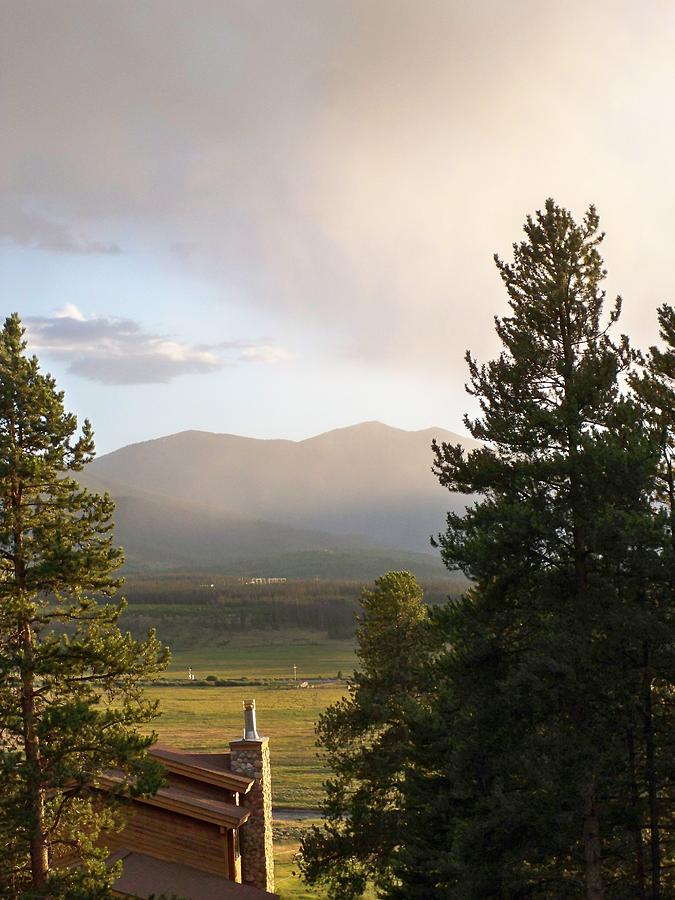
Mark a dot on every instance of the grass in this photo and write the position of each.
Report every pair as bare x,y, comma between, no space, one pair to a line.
201,718
286,843
208,718
197,717
287,884
268,656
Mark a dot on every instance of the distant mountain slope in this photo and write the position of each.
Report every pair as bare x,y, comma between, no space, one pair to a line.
159,532
204,494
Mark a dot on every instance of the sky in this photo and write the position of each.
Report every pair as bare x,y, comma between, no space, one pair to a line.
277,217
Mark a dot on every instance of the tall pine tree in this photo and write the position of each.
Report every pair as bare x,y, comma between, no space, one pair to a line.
655,386
528,768
366,738
70,681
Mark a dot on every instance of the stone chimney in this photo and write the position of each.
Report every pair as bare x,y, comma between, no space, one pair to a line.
250,756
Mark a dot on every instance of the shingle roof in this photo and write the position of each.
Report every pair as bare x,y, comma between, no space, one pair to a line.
144,875
212,768
205,808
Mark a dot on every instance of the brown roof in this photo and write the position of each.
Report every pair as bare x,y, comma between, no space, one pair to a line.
211,768
144,875
205,808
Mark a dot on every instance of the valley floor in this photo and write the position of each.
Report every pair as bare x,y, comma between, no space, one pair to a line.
200,717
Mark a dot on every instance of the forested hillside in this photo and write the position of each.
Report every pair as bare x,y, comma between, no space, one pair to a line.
190,610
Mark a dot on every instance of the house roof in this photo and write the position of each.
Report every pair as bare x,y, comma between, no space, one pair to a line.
211,768
204,808
144,875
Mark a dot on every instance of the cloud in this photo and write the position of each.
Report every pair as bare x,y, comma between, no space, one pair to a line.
70,311
347,167
265,353
119,351
29,229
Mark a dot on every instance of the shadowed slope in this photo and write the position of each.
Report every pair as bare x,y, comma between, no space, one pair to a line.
198,497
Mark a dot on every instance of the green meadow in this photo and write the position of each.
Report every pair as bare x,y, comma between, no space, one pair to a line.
208,718
243,641
202,716
274,656
286,843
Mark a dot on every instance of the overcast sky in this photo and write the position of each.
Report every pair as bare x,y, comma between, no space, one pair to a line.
273,218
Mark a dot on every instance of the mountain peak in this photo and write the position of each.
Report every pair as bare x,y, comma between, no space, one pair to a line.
370,482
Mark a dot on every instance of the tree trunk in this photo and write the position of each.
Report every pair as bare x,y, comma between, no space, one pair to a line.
39,855
652,789
591,826
594,888
637,819
671,497
38,846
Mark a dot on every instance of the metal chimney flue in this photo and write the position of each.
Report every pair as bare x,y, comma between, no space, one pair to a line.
250,730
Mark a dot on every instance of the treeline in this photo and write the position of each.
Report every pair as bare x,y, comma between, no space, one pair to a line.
190,611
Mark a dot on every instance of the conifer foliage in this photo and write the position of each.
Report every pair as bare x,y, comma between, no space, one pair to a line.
70,693
540,762
655,386
365,738
532,754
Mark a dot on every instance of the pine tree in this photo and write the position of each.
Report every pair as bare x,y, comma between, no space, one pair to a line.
525,770
365,739
655,386
70,681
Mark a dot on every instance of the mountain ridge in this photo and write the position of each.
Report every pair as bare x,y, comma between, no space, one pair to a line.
431,430
365,486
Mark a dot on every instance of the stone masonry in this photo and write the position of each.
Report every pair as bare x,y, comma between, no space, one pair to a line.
251,757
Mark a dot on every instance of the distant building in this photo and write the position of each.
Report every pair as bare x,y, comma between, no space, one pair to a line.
207,835
259,580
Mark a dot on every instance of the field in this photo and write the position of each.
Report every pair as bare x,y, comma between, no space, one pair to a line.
207,718
197,717
287,884
286,842
270,655
200,717
244,641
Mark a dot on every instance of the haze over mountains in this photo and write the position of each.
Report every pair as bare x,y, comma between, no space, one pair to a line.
215,500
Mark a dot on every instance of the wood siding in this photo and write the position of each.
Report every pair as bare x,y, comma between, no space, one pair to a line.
170,836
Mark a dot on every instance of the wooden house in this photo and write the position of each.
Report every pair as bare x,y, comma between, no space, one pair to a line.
207,834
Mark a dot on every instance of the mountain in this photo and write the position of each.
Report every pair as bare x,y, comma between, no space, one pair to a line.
202,499
156,530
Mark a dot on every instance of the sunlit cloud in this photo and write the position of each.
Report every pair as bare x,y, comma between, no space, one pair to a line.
265,353
69,311
119,351
343,169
